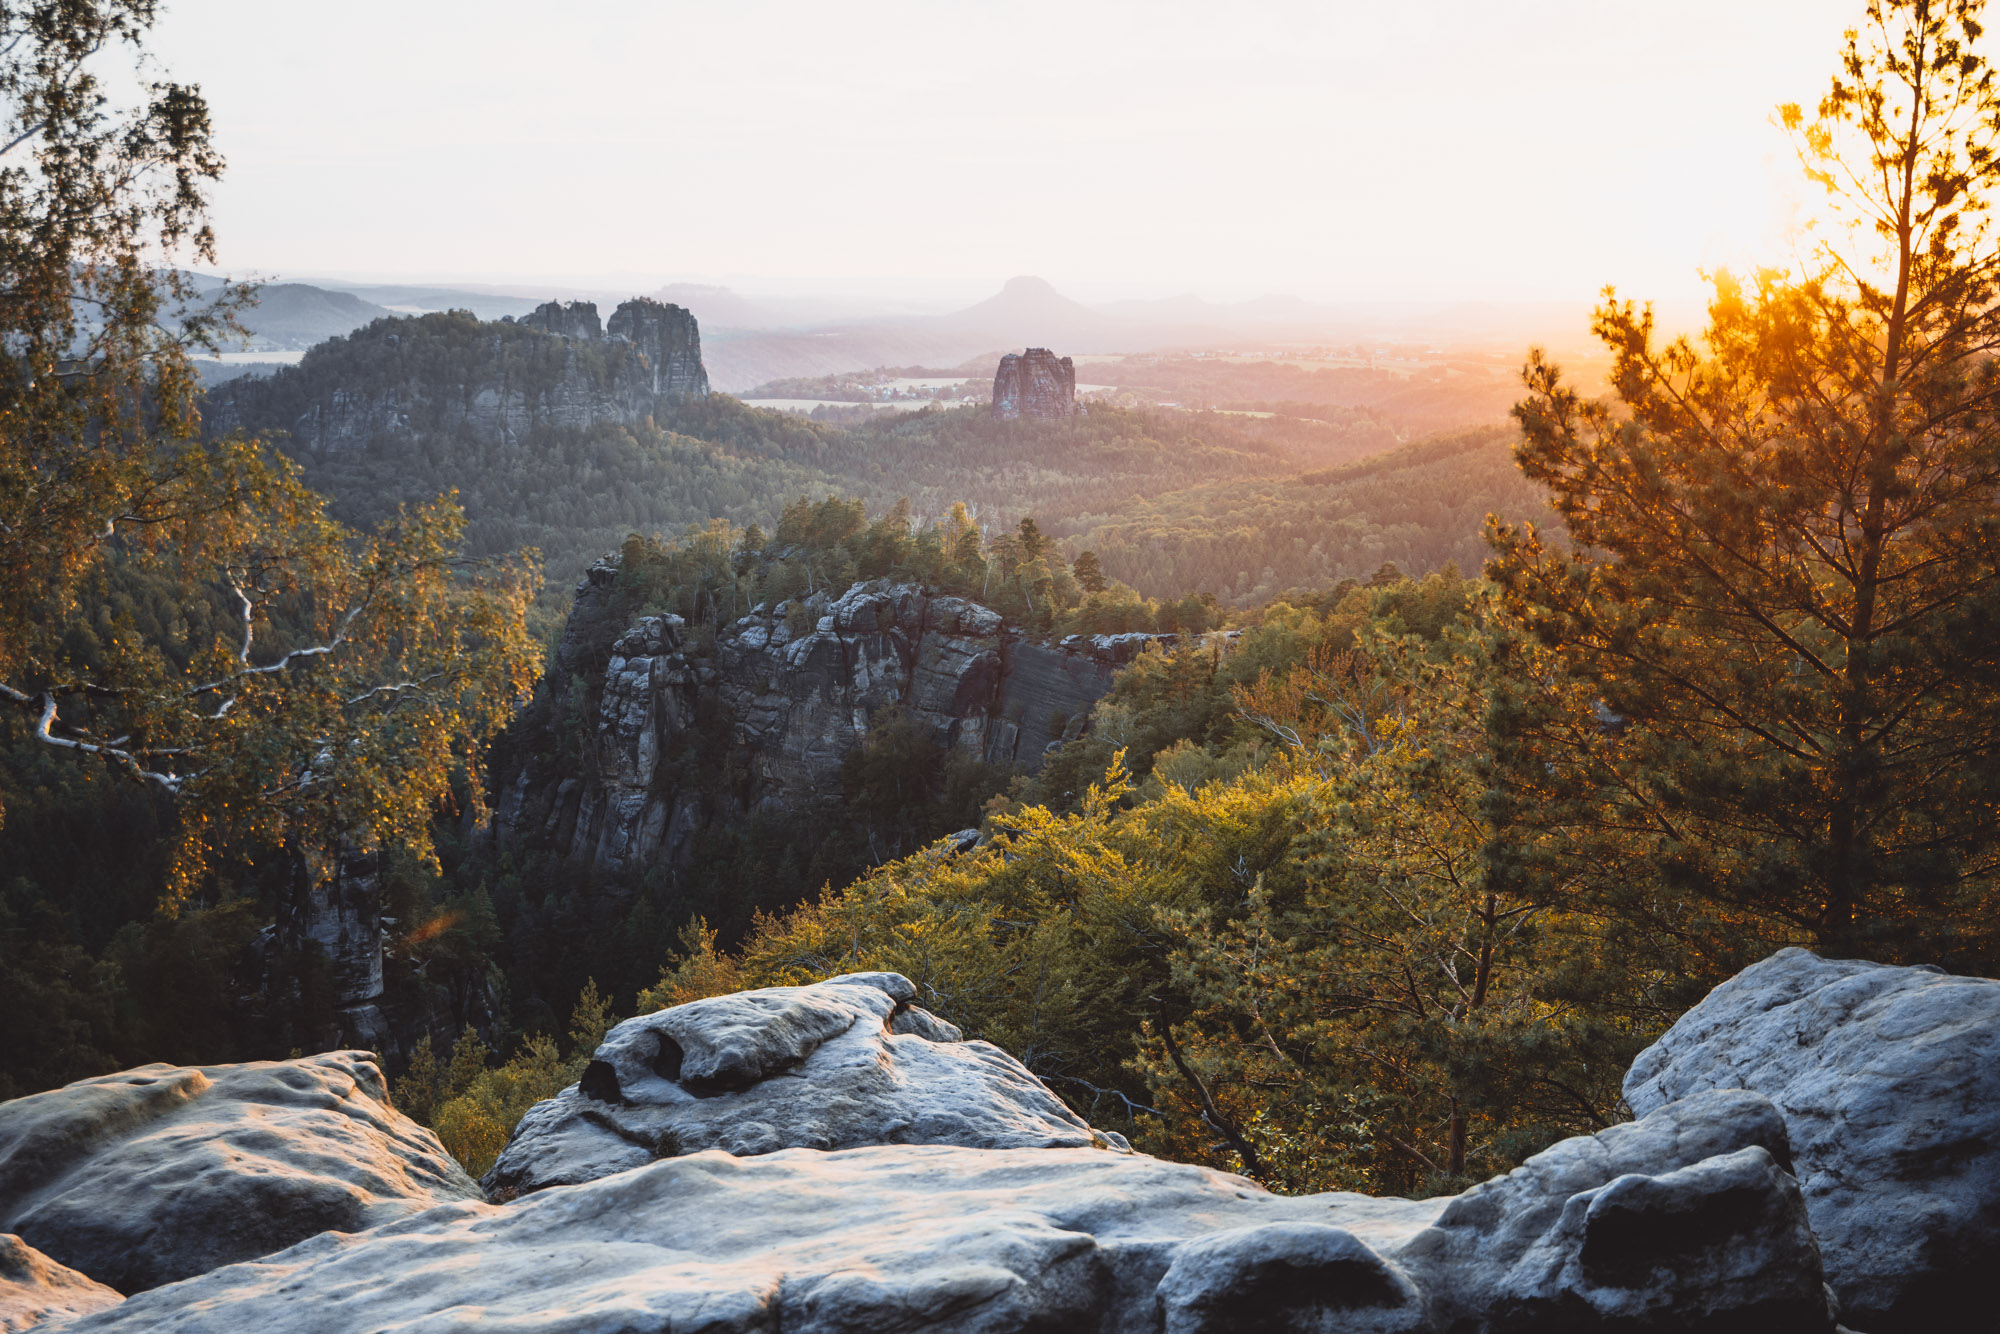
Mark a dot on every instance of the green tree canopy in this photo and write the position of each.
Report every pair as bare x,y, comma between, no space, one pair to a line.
1782,580
318,685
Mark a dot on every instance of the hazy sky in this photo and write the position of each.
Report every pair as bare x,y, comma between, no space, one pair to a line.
1488,149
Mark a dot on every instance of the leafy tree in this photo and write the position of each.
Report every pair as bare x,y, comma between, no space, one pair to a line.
1394,1018
1782,583
325,683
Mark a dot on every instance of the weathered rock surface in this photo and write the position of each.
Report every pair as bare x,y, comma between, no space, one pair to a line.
1688,1218
1889,1082
154,1174
1035,383
38,1293
799,684
1683,1222
835,1065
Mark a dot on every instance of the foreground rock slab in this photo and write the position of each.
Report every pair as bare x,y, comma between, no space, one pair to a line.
839,1064
1683,1221
154,1174
37,1293
1889,1082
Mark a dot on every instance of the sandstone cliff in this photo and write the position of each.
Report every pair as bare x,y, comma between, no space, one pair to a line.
1034,384
792,690
407,383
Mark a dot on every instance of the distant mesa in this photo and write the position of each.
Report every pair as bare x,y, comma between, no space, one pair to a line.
1035,383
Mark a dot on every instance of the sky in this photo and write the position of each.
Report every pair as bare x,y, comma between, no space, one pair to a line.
1456,150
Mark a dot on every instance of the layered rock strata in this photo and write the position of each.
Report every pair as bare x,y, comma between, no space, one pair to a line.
1035,384
799,684
1889,1083
847,1062
155,1174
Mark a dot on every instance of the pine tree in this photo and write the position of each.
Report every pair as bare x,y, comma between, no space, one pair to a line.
1782,575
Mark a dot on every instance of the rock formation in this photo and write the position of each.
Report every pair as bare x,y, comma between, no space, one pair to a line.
37,1293
798,683
1889,1083
1689,1219
571,319
1034,384
158,1173
1685,1220
842,1063
397,383
669,340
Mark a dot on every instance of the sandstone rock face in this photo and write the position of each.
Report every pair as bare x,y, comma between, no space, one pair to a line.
1685,1221
334,908
571,319
431,377
1889,1082
158,1173
669,341
37,1293
1034,384
835,1065
799,684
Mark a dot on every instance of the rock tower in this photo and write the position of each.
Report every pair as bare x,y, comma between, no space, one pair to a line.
668,338
571,319
1035,383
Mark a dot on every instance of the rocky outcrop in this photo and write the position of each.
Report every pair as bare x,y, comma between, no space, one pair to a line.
799,684
37,1293
568,319
1889,1083
1035,383
1685,1221
669,341
152,1175
686,1213
839,1064
401,383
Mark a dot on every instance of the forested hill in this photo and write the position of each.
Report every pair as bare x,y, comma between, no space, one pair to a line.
552,442
1419,507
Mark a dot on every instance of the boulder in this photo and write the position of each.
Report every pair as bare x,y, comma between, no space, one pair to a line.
37,1293
1889,1083
835,1065
1617,1231
154,1174
1685,1219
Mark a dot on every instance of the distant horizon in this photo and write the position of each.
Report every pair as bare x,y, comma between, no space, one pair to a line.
1337,152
